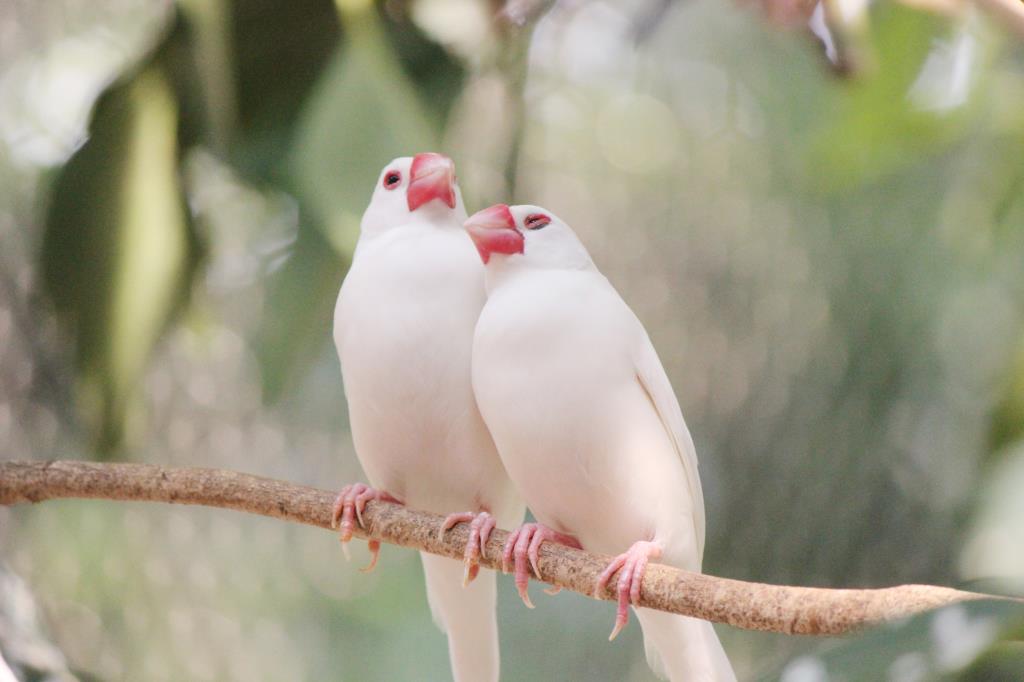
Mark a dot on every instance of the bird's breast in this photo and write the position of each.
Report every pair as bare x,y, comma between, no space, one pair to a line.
557,386
403,330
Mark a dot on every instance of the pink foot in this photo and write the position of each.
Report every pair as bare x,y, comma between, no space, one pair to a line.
633,564
480,527
348,508
524,544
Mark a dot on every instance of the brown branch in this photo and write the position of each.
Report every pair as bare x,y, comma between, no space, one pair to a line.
754,606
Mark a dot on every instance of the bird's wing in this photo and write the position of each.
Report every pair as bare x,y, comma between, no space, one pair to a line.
652,377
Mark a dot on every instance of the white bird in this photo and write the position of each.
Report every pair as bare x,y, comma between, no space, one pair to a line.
403,328
587,424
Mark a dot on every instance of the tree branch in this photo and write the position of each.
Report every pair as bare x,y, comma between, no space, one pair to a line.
754,606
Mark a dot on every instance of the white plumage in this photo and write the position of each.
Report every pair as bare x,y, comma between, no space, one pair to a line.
403,328
584,416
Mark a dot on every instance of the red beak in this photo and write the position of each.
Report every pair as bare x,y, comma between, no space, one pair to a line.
493,230
432,176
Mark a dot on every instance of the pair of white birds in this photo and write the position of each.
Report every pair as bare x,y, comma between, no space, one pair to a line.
476,386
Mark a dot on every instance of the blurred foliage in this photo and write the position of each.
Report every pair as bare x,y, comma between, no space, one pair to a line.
379,122
278,53
329,176
827,257
994,551
877,127
26,649
288,342
1008,420
119,253
292,98
938,645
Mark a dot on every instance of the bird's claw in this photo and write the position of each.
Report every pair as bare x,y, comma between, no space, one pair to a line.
631,566
480,527
522,547
348,509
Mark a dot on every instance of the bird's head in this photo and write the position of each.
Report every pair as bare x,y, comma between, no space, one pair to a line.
423,185
525,236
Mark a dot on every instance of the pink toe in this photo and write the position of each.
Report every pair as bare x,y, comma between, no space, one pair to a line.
359,505
522,576
472,545
534,552
620,622
510,544
480,526
470,574
633,565
457,517
450,521
622,610
523,548
602,580
374,547
485,534
348,510
339,505
638,579
347,522
623,587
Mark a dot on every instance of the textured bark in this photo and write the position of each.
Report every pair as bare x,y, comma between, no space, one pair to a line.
754,606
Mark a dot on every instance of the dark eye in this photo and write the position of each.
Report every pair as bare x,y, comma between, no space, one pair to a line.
391,179
535,221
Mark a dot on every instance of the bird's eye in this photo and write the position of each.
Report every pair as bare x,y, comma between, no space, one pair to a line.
535,221
392,179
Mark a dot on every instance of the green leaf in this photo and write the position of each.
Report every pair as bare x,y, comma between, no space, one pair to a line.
437,76
278,51
298,311
876,128
202,68
1008,420
1004,662
936,645
118,251
363,112
994,550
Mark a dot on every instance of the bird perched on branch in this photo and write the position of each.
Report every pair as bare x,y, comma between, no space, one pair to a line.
403,327
587,425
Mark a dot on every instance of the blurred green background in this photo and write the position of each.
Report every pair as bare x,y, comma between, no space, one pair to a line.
824,237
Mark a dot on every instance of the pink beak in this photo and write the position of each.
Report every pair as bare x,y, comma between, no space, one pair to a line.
432,176
493,230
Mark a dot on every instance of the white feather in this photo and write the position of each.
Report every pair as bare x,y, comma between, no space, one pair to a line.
588,426
403,329
651,374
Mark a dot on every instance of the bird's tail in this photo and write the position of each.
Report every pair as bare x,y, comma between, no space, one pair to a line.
683,649
466,615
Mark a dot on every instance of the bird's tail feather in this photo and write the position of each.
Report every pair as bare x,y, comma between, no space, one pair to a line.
683,649
466,615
